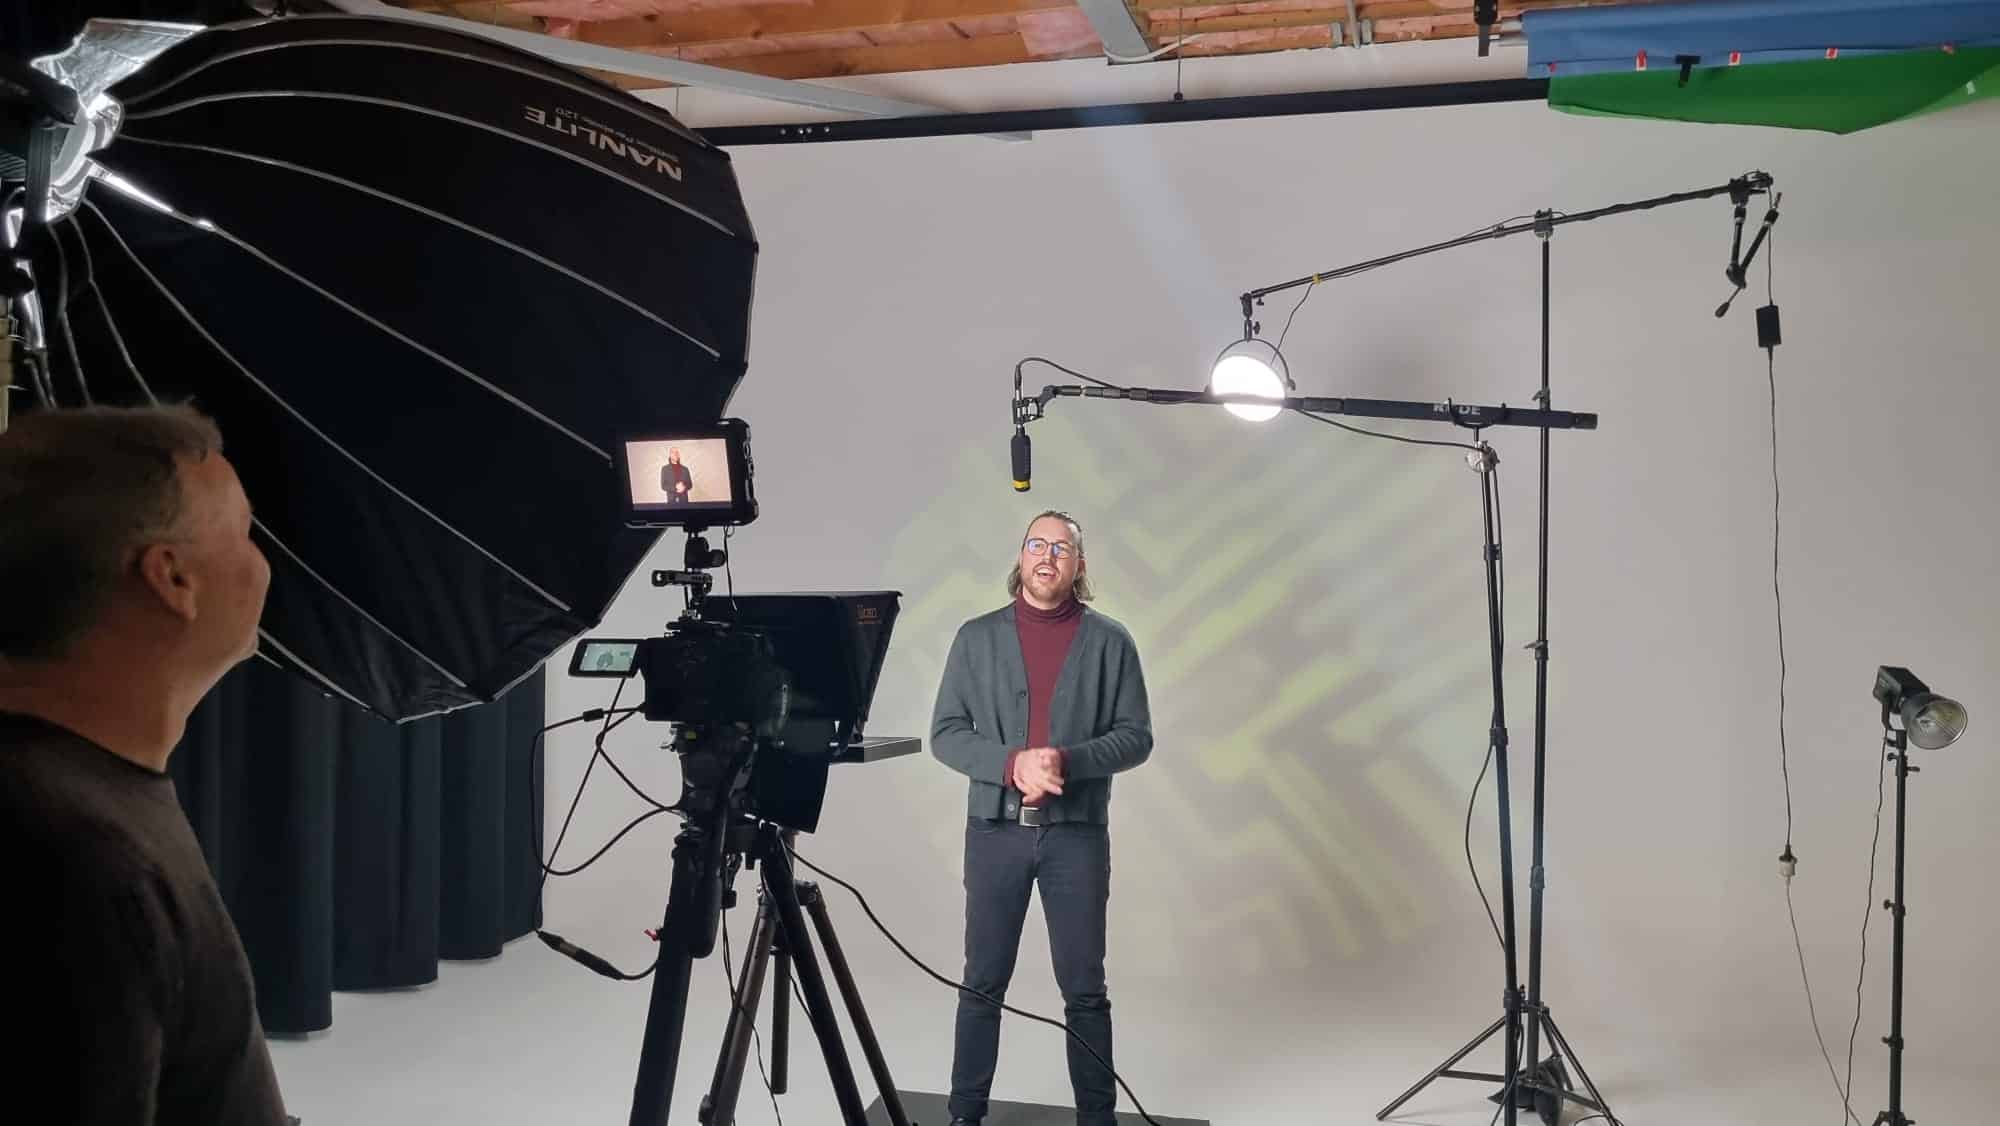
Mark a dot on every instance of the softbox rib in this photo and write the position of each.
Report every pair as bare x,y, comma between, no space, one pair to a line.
391,103
361,314
441,217
351,604
104,307
573,83
195,323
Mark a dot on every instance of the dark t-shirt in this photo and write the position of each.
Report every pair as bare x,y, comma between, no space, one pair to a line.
127,988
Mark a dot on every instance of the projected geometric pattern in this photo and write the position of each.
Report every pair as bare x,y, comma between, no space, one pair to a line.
1310,610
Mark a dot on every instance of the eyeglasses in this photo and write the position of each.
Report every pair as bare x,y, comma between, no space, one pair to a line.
1056,549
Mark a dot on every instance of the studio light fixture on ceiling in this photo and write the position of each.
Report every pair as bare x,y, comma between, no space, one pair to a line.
1252,366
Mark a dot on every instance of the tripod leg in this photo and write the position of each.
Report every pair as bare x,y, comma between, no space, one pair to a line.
694,881
727,1086
781,1018
1442,1070
779,886
1562,1044
856,1011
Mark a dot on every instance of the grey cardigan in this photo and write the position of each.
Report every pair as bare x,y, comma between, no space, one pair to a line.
1098,715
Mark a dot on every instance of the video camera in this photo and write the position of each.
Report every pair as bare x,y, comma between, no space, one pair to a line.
782,680
766,691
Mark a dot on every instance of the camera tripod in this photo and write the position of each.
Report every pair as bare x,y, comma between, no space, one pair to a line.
718,837
778,937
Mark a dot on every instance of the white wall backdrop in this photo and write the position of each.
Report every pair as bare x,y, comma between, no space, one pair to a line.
1294,934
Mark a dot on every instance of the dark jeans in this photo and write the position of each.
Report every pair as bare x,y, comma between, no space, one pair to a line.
1004,861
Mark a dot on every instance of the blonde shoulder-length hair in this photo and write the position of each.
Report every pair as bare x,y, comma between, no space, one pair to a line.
1081,592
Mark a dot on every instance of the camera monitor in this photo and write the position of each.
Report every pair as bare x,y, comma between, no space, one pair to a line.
692,476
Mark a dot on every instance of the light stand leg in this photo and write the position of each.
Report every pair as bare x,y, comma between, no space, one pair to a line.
1497,746
1445,1070
1894,1116
1596,1100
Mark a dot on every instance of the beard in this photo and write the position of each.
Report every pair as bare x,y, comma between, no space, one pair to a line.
1052,588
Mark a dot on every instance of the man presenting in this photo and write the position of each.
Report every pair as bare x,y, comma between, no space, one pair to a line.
675,480
1041,702
128,586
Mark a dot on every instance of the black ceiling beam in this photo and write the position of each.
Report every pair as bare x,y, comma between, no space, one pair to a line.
1137,113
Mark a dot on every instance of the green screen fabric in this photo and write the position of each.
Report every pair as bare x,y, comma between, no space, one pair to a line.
1835,95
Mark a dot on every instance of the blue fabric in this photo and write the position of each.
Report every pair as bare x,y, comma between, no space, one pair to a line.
1596,40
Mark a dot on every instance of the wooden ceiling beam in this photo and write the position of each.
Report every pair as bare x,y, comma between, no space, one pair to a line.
1378,9
1165,27
762,21
898,58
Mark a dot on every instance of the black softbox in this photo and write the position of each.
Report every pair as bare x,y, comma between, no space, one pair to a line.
423,281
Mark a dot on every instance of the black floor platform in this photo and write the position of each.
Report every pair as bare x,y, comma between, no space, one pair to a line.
926,1109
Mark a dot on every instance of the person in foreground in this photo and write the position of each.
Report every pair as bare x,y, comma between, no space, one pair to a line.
128,586
1042,701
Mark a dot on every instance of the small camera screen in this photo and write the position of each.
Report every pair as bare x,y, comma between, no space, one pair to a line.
605,658
682,474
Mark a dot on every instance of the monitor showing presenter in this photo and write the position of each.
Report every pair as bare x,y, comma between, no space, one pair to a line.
693,476
680,472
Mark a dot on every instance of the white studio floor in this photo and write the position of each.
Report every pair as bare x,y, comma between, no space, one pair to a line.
529,1038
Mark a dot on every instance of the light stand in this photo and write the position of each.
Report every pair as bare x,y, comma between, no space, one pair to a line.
1546,1086
1938,722
1899,742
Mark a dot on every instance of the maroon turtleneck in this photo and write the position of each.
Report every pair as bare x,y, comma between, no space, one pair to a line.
1045,639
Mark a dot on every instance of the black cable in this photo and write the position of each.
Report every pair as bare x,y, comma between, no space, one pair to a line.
1470,803
728,571
542,885
613,764
1784,751
612,718
1066,371
1380,434
1286,331
1777,597
535,747
552,870
962,988
736,1003
1813,1010
1874,847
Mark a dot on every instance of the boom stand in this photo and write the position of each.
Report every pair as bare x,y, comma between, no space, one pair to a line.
1524,1018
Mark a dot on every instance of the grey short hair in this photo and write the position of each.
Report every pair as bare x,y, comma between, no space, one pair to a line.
79,489
1081,591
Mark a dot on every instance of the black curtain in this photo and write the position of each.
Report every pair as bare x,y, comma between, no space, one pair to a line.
354,853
